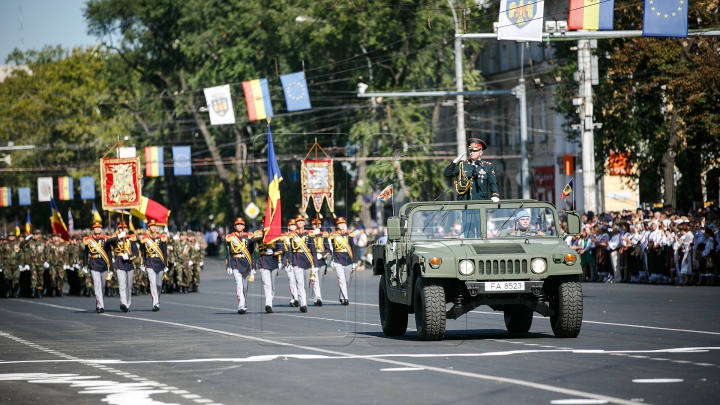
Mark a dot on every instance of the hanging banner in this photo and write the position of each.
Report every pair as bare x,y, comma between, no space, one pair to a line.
219,105
181,160
65,188
120,183
154,161
317,183
5,196
520,20
87,188
24,196
127,152
45,188
295,88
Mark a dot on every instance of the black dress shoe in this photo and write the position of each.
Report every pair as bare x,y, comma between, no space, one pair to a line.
39,293
242,311
156,308
346,302
97,310
318,303
59,294
268,309
195,288
296,303
32,293
303,309
52,292
123,308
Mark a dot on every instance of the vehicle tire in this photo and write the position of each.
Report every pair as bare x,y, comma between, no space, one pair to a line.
568,306
518,319
393,316
429,309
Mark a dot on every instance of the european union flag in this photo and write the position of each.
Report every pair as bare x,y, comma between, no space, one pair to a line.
24,195
87,188
182,160
665,18
296,92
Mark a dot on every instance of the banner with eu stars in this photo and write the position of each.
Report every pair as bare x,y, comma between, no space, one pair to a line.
665,18
295,88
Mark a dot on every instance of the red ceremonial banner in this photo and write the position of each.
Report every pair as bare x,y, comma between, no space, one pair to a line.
120,180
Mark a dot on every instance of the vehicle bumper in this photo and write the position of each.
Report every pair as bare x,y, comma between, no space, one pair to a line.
478,287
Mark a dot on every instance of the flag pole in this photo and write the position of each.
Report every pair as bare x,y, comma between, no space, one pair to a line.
574,206
392,201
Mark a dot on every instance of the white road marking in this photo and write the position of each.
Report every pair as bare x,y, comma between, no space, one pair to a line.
487,377
582,401
657,380
402,369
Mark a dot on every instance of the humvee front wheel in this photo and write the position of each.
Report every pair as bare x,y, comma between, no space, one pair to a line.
393,316
518,319
567,302
429,309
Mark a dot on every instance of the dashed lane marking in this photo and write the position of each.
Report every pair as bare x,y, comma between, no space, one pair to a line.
403,369
657,380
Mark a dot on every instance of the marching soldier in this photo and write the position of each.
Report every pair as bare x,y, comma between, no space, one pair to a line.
12,263
56,258
154,253
140,280
288,264
200,247
475,178
183,263
124,250
34,252
302,255
269,265
319,241
239,260
343,247
97,260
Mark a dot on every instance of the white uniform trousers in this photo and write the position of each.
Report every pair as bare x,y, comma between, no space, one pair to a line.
155,280
98,278
241,287
315,285
343,275
293,285
268,281
300,285
125,280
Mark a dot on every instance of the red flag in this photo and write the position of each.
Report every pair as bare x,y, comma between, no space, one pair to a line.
58,225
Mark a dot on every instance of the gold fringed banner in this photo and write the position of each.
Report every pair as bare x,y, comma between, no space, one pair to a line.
120,179
318,183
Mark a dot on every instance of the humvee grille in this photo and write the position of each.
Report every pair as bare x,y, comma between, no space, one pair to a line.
497,267
499,249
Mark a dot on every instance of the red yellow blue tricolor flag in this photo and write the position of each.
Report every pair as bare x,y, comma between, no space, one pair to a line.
56,221
5,196
65,188
17,228
154,162
568,189
386,194
273,213
257,99
28,224
591,15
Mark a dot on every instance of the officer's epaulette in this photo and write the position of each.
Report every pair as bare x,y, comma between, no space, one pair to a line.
163,237
257,234
486,163
229,236
132,238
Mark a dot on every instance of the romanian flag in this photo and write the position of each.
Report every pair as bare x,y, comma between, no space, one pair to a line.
17,228
56,221
568,189
28,224
257,99
65,188
386,194
273,218
154,163
5,196
591,15
150,209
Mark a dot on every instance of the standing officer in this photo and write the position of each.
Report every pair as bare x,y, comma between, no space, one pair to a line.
125,250
239,260
269,265
303,257
319,241
342,246
288,262
97,260
475,178
154,254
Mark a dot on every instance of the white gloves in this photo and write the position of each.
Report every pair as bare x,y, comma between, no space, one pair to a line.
77,266
494,199
125,256
1,269
201,264
269,251
46,265
459,158
354,266
122,234
166,269
229,271
27,267
84,269
316,232
190,263
28,237
21,267
142,268
176,237
252,276
319,256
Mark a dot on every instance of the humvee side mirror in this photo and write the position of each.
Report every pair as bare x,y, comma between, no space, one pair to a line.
393,228
574,222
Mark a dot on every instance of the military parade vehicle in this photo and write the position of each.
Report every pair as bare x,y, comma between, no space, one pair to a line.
444,259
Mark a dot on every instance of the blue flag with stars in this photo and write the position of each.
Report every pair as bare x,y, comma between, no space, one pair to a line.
295,88
665,18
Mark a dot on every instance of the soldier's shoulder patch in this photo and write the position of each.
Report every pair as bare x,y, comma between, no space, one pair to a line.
163,237
133,238
229,237
486,163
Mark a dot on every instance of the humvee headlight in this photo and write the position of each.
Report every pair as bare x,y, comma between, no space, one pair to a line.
570,259
435,262
538,266
466,267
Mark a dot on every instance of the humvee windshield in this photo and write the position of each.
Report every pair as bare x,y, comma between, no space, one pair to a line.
520,222
445,223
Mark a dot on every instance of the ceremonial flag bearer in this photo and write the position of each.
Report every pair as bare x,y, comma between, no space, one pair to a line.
125,250
269,265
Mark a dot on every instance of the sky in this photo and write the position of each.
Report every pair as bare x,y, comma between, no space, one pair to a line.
45,22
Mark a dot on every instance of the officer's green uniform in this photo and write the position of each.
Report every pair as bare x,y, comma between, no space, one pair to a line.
56,256
34,254
12,259
474,180
197,255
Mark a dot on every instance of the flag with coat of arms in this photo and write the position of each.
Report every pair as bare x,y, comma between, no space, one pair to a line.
219,105
521,20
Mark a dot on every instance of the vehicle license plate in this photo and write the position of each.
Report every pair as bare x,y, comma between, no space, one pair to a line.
505,286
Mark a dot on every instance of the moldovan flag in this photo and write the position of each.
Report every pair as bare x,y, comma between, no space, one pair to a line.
273,218
219,105
5,196
17,228
28,224
257,99
65,188
386,194
154,162
521,20
56,221
591,15
568,189
150,209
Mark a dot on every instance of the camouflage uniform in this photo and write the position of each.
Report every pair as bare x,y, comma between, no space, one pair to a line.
56,257
34,254
197,256
183,263
12,259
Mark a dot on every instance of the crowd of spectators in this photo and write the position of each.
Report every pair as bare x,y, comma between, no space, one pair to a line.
661,247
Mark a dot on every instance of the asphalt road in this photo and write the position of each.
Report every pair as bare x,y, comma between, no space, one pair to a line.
638,344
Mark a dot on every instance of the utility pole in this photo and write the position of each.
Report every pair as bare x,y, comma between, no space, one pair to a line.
586,125
459,99
524,167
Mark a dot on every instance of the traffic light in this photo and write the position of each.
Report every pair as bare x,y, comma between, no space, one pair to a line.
568,164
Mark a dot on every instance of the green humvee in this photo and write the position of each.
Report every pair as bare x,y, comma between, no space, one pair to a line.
509,255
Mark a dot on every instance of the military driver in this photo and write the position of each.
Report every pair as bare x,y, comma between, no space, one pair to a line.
522,226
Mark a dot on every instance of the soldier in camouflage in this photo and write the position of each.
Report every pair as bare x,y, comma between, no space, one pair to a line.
56,258
197,256
34,254
11,261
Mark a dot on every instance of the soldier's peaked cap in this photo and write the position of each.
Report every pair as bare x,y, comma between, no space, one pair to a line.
340,220
96,225
239,221
476,144
316,221
291,221
299,218
151,222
